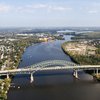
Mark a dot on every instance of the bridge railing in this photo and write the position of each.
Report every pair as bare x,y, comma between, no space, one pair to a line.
50,65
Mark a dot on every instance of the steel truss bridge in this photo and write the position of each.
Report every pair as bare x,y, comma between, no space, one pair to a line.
50,65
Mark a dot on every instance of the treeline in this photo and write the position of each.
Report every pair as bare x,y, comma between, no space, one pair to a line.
83,59
86,60
98,51
13,58
89,35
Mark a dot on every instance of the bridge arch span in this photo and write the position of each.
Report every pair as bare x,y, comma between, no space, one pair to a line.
53,63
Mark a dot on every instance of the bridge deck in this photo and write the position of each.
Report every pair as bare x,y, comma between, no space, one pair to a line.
29,70
49,65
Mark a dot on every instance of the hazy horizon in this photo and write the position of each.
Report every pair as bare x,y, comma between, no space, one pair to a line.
49,13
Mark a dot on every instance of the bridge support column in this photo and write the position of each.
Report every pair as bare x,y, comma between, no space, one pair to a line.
31,78
97,72
7,76
94,71
75,74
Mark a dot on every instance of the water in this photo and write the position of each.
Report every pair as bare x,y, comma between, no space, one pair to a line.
52,85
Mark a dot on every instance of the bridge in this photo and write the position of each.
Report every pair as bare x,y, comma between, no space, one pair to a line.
50,65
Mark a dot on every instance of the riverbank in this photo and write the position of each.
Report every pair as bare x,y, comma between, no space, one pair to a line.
52,85
12,61
83,53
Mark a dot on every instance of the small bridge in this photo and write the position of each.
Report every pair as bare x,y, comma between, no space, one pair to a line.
50,65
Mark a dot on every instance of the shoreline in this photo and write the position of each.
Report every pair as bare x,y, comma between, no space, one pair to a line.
7,81
77,62
69,55
19,48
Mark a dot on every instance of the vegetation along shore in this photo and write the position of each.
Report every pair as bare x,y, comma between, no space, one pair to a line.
84,52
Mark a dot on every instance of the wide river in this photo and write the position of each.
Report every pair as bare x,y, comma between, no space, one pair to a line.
52,85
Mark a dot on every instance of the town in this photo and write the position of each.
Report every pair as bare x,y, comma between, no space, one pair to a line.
11,49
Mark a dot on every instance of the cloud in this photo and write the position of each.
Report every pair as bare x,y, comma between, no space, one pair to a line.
39,6
31,8
93,11
93,8
59,8
45,7
4,8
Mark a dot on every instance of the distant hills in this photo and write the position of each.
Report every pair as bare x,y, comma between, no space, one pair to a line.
48,29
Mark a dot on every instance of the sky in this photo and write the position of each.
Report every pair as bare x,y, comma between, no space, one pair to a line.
49,13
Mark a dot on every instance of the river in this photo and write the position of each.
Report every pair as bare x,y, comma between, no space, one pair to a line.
52,85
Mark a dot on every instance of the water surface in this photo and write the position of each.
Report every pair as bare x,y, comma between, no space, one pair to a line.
52,85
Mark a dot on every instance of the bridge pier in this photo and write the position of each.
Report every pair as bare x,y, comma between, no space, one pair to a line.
75,74
97,73
94,71
7,76
31,78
